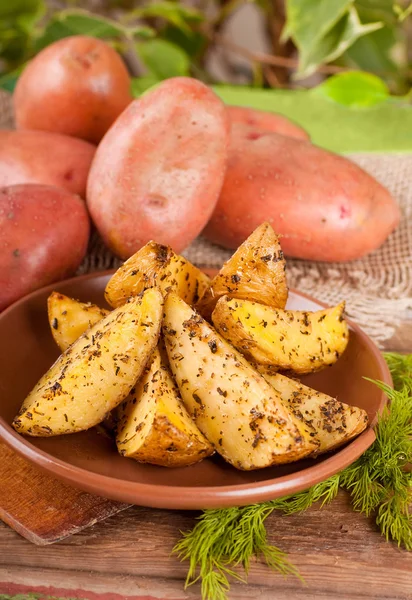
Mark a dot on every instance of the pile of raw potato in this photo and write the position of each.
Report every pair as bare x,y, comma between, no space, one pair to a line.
167,166
184,366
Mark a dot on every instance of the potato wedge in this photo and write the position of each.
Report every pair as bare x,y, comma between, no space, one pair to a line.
302,342
69,318
96,373
234,407
334,422
156,265
153,426
256,272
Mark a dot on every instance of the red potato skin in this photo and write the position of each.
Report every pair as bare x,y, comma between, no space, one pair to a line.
77,86
325,207
44,232
268,121
45,158
158,172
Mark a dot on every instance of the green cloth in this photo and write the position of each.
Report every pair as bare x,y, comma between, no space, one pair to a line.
385,127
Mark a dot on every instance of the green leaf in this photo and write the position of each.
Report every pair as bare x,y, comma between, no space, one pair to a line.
401,12
376,10
9,80
307,22
81,22
378,52
192,42
142,84
22,13
18,19
355,89
163,59
335,42
173,12
383,52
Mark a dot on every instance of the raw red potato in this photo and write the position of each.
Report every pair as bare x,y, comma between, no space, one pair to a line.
323,206
77,86
45,158
43,238
158,172
265,120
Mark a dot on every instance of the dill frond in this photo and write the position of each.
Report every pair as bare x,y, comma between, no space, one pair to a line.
394,516
378,480
365,489
248,539
229,537
379,483
200,546
214,584
323,492
400,366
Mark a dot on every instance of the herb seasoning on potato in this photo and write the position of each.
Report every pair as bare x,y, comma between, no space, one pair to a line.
154,426
69,318
96,373
294,340
172,401
236,409
335,422
256,271
156,265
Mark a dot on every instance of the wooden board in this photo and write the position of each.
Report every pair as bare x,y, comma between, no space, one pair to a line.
340,554
41,508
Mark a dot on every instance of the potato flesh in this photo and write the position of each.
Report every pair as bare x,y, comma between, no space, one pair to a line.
299,341
334,422
256,271
156,265
153,426
96,373
69,318
236,409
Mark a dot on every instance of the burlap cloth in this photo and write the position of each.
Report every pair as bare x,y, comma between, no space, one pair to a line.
377,288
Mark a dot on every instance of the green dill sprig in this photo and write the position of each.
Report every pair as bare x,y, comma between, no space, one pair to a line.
380,480
224,539
400,366
323,492
379,483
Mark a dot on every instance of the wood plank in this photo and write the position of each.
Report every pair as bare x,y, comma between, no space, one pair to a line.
340,554
41,508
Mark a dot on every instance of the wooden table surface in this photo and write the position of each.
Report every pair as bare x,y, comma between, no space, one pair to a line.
340,554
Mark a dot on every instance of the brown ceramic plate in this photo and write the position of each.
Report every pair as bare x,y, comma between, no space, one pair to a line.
90,461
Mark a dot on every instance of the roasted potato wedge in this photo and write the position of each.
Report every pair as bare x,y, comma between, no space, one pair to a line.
302,342
156,265
96,373
69,318
235,408
256,272
334,422
153,426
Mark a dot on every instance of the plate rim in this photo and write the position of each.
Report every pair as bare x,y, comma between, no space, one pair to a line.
184,497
